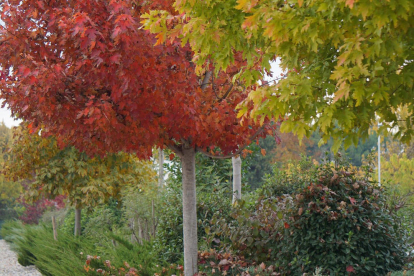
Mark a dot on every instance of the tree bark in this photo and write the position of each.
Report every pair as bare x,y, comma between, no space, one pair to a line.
77,222
161,168
236,177
189,211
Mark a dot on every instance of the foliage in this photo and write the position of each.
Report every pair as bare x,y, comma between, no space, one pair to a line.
331,219
340,78
33,211
91,96
403,273
168,242
258,161
87,181
216,263
9,190
67,256
341,223
398,170
141,214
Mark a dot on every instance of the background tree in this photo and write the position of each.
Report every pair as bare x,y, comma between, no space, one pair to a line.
97,81
340,78
87,182
9,190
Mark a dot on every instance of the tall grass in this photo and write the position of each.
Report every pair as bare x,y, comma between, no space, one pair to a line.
35,244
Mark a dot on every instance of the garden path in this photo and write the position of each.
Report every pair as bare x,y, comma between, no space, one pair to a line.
9,265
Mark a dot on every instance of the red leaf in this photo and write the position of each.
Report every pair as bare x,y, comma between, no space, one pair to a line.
352,200
24,71
287,225
115,58
350,269
172,155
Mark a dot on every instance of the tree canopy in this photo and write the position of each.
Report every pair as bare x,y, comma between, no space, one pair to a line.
97,81
348,63
86,181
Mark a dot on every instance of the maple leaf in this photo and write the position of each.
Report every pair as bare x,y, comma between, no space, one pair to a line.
350,3
24,71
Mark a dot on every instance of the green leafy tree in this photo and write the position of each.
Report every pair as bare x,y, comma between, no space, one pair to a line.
348,63
398,170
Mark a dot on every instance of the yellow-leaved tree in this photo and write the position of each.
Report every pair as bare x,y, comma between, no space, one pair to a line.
86,181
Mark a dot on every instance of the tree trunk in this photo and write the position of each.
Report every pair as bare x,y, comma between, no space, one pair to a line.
189,212
236,177
77,222
54,228
161,168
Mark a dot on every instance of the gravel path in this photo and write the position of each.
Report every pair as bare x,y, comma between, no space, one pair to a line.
9,265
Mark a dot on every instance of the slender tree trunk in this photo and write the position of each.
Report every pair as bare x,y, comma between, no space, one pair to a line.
236,177
153,218
77,222
189,212
161,168
54,228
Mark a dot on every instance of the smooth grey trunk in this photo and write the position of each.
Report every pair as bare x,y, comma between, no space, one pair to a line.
54,228
189,212
161,168
236,177
77,222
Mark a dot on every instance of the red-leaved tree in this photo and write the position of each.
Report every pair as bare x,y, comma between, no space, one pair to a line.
86,72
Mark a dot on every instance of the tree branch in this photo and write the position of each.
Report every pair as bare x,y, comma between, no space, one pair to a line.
206,79
227,93
176,149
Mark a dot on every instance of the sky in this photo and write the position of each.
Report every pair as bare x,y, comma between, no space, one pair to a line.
5,116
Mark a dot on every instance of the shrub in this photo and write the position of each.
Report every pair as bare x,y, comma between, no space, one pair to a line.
341,223
338,221
169,238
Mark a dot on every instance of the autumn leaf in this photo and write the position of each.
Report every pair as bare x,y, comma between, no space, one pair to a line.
286,225
352,200
171,156
263,152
